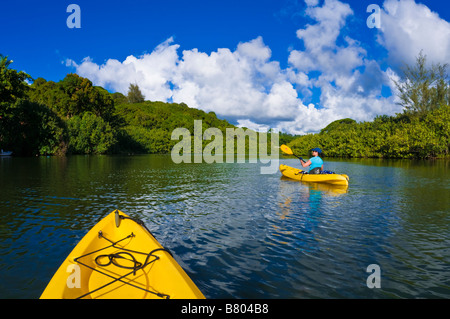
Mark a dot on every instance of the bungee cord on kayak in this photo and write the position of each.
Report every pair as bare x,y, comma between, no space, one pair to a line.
113,259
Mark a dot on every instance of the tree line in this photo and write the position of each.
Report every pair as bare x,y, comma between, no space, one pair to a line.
73,116
421,131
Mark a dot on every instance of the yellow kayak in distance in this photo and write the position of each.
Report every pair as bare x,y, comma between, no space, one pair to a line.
297,174
120,259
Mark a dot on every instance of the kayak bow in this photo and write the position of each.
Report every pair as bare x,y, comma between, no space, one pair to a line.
117,259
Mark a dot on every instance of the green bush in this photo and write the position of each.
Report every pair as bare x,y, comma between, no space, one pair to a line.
89,134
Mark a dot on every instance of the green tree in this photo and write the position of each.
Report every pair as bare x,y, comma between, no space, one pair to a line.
119,98
72,96
13,87
90,134
423,88
134,94
12,83
33,129
81,96
337,125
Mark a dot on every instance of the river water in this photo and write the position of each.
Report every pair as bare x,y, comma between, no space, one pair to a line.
236,232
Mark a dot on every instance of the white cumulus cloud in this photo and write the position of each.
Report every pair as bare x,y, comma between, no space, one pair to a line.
238,84
151,71
349,82
408,28
248,87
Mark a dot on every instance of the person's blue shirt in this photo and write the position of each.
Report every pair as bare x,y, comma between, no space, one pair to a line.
316,161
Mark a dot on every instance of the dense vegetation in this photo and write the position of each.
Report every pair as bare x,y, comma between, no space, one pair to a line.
74,117
421,131
398,136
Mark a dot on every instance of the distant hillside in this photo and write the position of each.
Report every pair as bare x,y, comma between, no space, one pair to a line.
146,127
74,117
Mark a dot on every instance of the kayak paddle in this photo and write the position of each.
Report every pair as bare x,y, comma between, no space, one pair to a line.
287,150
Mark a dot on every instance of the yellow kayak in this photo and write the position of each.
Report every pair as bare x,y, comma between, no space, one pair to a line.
297,174
118,259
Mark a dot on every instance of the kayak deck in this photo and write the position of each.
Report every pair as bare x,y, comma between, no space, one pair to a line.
297,174
118,259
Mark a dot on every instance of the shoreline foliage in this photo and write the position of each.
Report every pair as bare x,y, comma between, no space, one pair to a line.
421,131
398,136
73,116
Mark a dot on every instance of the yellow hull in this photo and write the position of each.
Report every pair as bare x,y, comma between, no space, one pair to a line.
118,259
295,173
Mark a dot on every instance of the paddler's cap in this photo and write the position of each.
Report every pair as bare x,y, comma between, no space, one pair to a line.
316,150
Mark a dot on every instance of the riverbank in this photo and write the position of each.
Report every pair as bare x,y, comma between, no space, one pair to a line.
407,136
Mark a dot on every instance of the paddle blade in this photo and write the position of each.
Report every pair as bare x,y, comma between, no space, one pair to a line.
286,149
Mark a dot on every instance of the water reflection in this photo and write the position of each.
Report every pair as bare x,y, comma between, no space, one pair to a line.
238,234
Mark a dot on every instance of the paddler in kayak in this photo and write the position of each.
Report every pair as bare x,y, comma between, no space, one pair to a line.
315,163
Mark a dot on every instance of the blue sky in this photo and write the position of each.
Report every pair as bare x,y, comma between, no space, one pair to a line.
295,65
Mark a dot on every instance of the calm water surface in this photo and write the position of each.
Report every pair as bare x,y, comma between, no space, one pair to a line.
237,233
